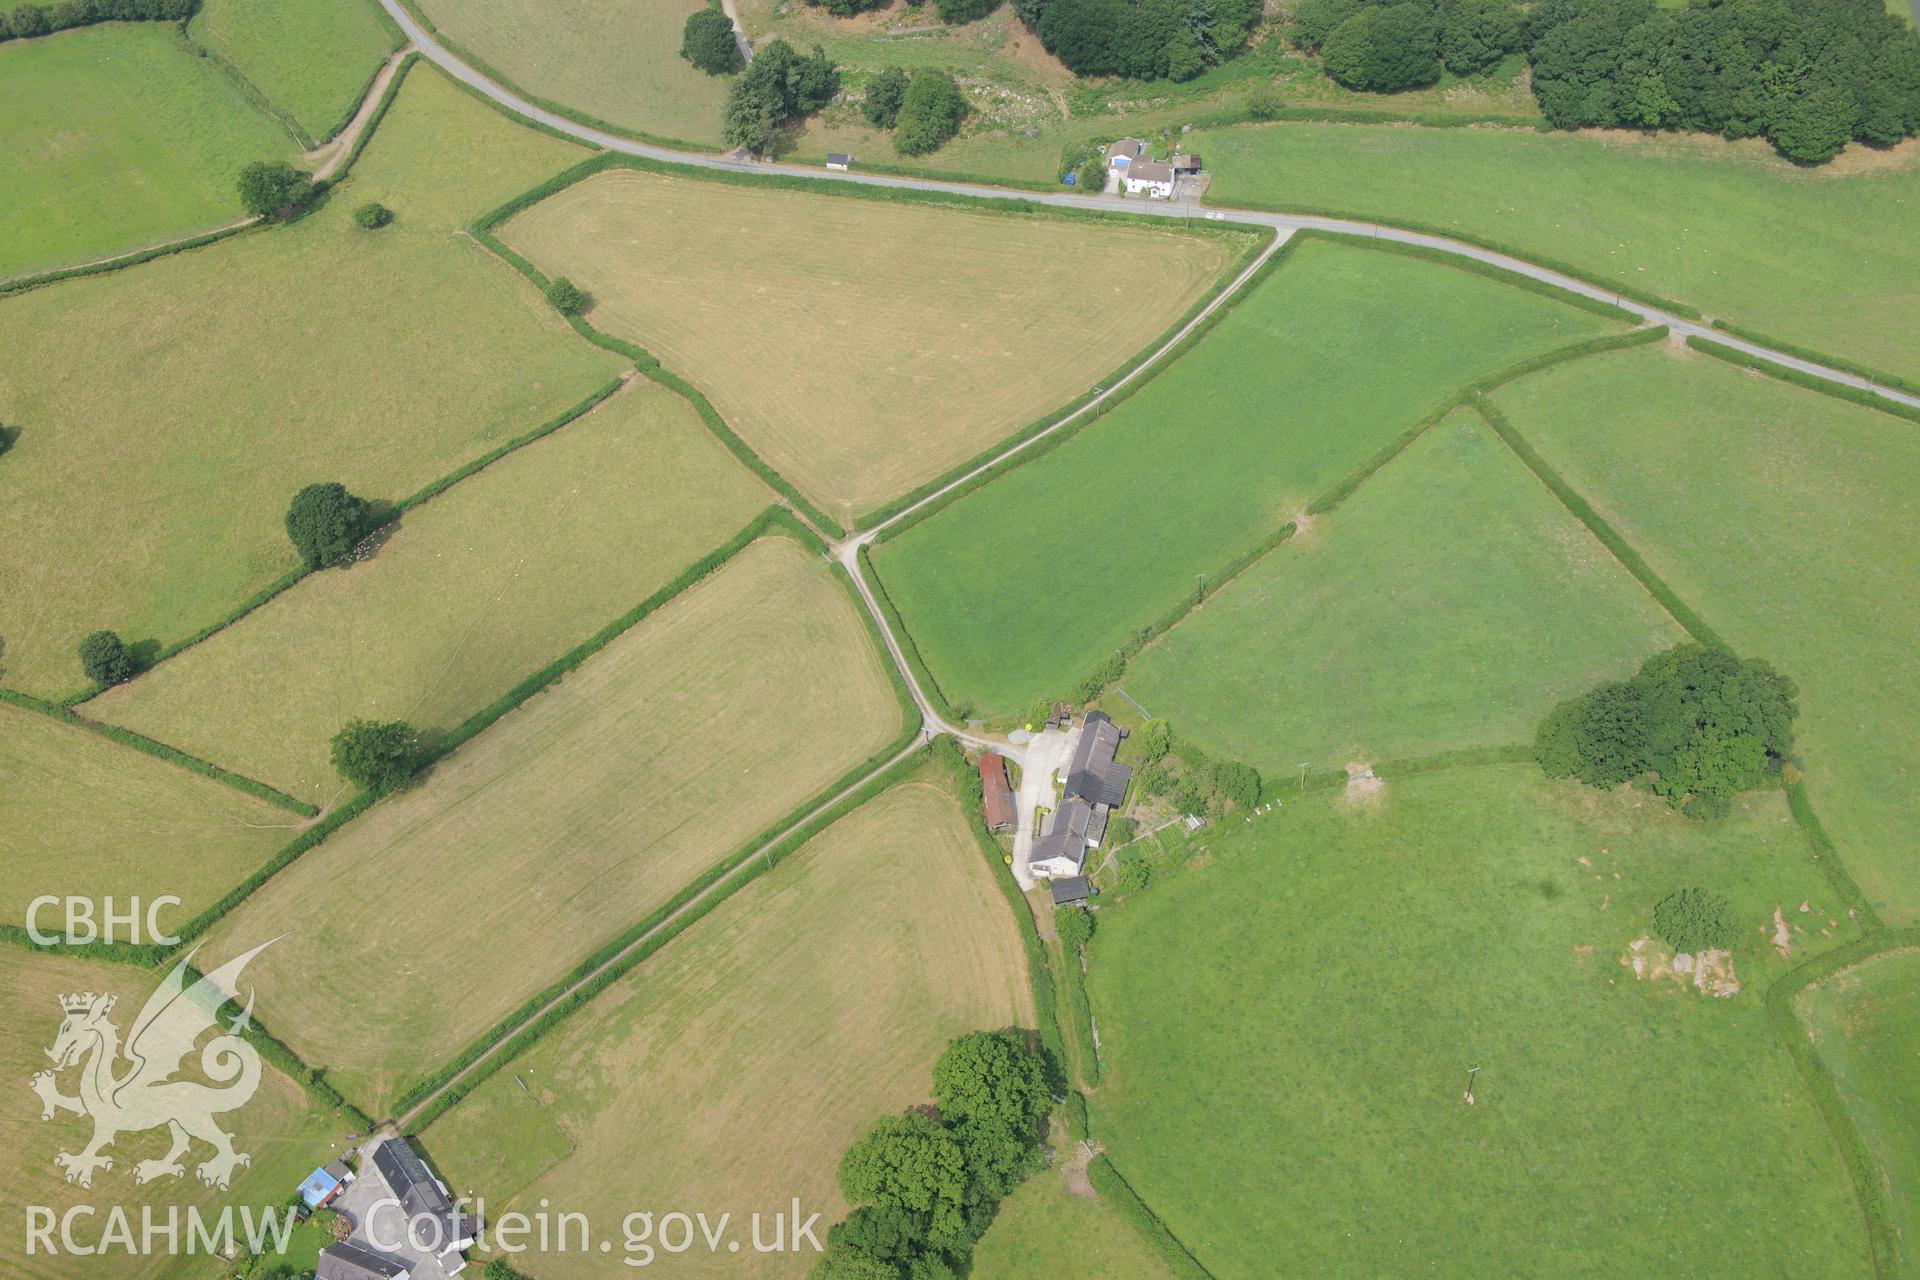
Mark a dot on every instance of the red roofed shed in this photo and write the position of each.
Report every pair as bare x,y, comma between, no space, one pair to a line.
996,796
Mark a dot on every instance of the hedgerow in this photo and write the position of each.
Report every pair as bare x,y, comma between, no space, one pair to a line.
1117,1195
776,521
1839,390
1583,511
515,1034
431,490
160,751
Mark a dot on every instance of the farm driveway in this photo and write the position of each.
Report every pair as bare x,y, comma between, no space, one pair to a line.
1047,752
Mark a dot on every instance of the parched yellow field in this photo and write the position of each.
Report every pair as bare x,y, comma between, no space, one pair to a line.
863,347
472,592
440,911
86,817
730,1071
284,1131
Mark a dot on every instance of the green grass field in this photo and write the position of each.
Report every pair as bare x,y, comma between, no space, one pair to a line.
1289,1024
571,819
149,496
1786,518
771,1032
1820,257
1866,1023
1054,1225
89,818
115,137
473,591
1289,394
1449,603
616,63
284,1132
311,58
865,347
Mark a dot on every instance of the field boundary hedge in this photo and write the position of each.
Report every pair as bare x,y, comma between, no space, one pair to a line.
1583,511
1120,1196
483,230
1641,296
515,1034
160,751
1882,1234
131,258
774,521
1028,451
247,88
908,649
1781,373
432,489
1868,372
1826,857
1135,366
644,362
560,109
1492,271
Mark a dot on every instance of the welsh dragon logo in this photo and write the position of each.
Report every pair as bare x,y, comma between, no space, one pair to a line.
132,1087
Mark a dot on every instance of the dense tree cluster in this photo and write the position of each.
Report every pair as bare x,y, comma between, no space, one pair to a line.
964,10
781,85
375,756
926,1183
847,8
324,521
707,42
930,112
1698,724
39,19
1145,39
1809,75
1191,780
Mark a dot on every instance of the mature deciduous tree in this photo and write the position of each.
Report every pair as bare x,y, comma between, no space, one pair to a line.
707,41
324,521
375,756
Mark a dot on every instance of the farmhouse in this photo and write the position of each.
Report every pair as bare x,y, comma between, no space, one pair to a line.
1149,177
1096,784
996,794
1122,154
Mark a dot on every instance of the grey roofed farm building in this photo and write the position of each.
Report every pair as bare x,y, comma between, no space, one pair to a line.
357,1262
839,160
1071,889
421,1195
1094,774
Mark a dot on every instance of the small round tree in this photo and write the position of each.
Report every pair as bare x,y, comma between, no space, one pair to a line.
105,658
374,755
373,215
1695,919
271,189
566,296
707,42
325,521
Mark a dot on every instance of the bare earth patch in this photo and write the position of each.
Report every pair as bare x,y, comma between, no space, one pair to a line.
1709,972
1363,788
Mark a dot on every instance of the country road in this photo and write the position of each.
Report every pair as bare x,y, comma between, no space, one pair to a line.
449,62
